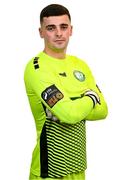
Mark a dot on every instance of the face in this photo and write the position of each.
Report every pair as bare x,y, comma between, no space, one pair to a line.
56,31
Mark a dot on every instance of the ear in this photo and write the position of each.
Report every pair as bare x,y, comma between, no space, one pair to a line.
40,32
71,31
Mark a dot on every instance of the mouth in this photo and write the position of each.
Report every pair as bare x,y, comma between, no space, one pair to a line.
59,41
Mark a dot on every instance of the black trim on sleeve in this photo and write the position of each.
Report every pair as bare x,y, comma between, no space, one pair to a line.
36,66
98,88
35,62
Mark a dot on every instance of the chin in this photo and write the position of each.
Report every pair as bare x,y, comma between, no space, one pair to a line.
60,47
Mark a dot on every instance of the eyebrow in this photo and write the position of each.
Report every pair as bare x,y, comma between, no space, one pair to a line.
63,24
50,25
53,25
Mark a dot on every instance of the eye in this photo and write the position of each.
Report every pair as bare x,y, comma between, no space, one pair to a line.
64,26
50,28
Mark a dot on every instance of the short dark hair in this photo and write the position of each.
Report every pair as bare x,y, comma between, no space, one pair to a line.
54,10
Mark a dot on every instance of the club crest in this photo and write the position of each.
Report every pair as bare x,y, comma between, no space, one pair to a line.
79,75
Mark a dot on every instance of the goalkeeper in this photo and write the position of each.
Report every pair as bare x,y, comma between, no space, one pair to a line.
63,95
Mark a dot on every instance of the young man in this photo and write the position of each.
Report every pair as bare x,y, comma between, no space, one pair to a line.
62,94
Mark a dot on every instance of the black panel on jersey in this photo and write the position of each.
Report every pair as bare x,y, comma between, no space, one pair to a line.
43,154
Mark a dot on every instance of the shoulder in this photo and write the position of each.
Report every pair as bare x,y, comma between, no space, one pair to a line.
33,63
77,60
31,66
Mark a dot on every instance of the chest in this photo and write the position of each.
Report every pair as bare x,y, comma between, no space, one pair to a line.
73,78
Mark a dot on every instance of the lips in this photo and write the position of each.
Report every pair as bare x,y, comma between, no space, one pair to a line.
59,40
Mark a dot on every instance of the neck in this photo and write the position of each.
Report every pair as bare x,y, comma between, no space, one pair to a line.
55,54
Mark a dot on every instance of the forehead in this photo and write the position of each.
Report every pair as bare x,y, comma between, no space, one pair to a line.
56,20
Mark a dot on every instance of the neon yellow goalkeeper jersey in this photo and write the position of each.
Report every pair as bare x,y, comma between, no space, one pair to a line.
55,89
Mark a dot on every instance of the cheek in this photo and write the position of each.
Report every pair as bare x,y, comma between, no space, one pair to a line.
44,35
48,38
68,34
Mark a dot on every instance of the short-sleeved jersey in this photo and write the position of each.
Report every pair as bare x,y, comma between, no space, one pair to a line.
55,89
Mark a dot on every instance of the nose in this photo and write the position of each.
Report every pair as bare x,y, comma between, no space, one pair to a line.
58,32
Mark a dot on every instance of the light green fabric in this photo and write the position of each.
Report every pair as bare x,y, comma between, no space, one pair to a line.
74,176
71,77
